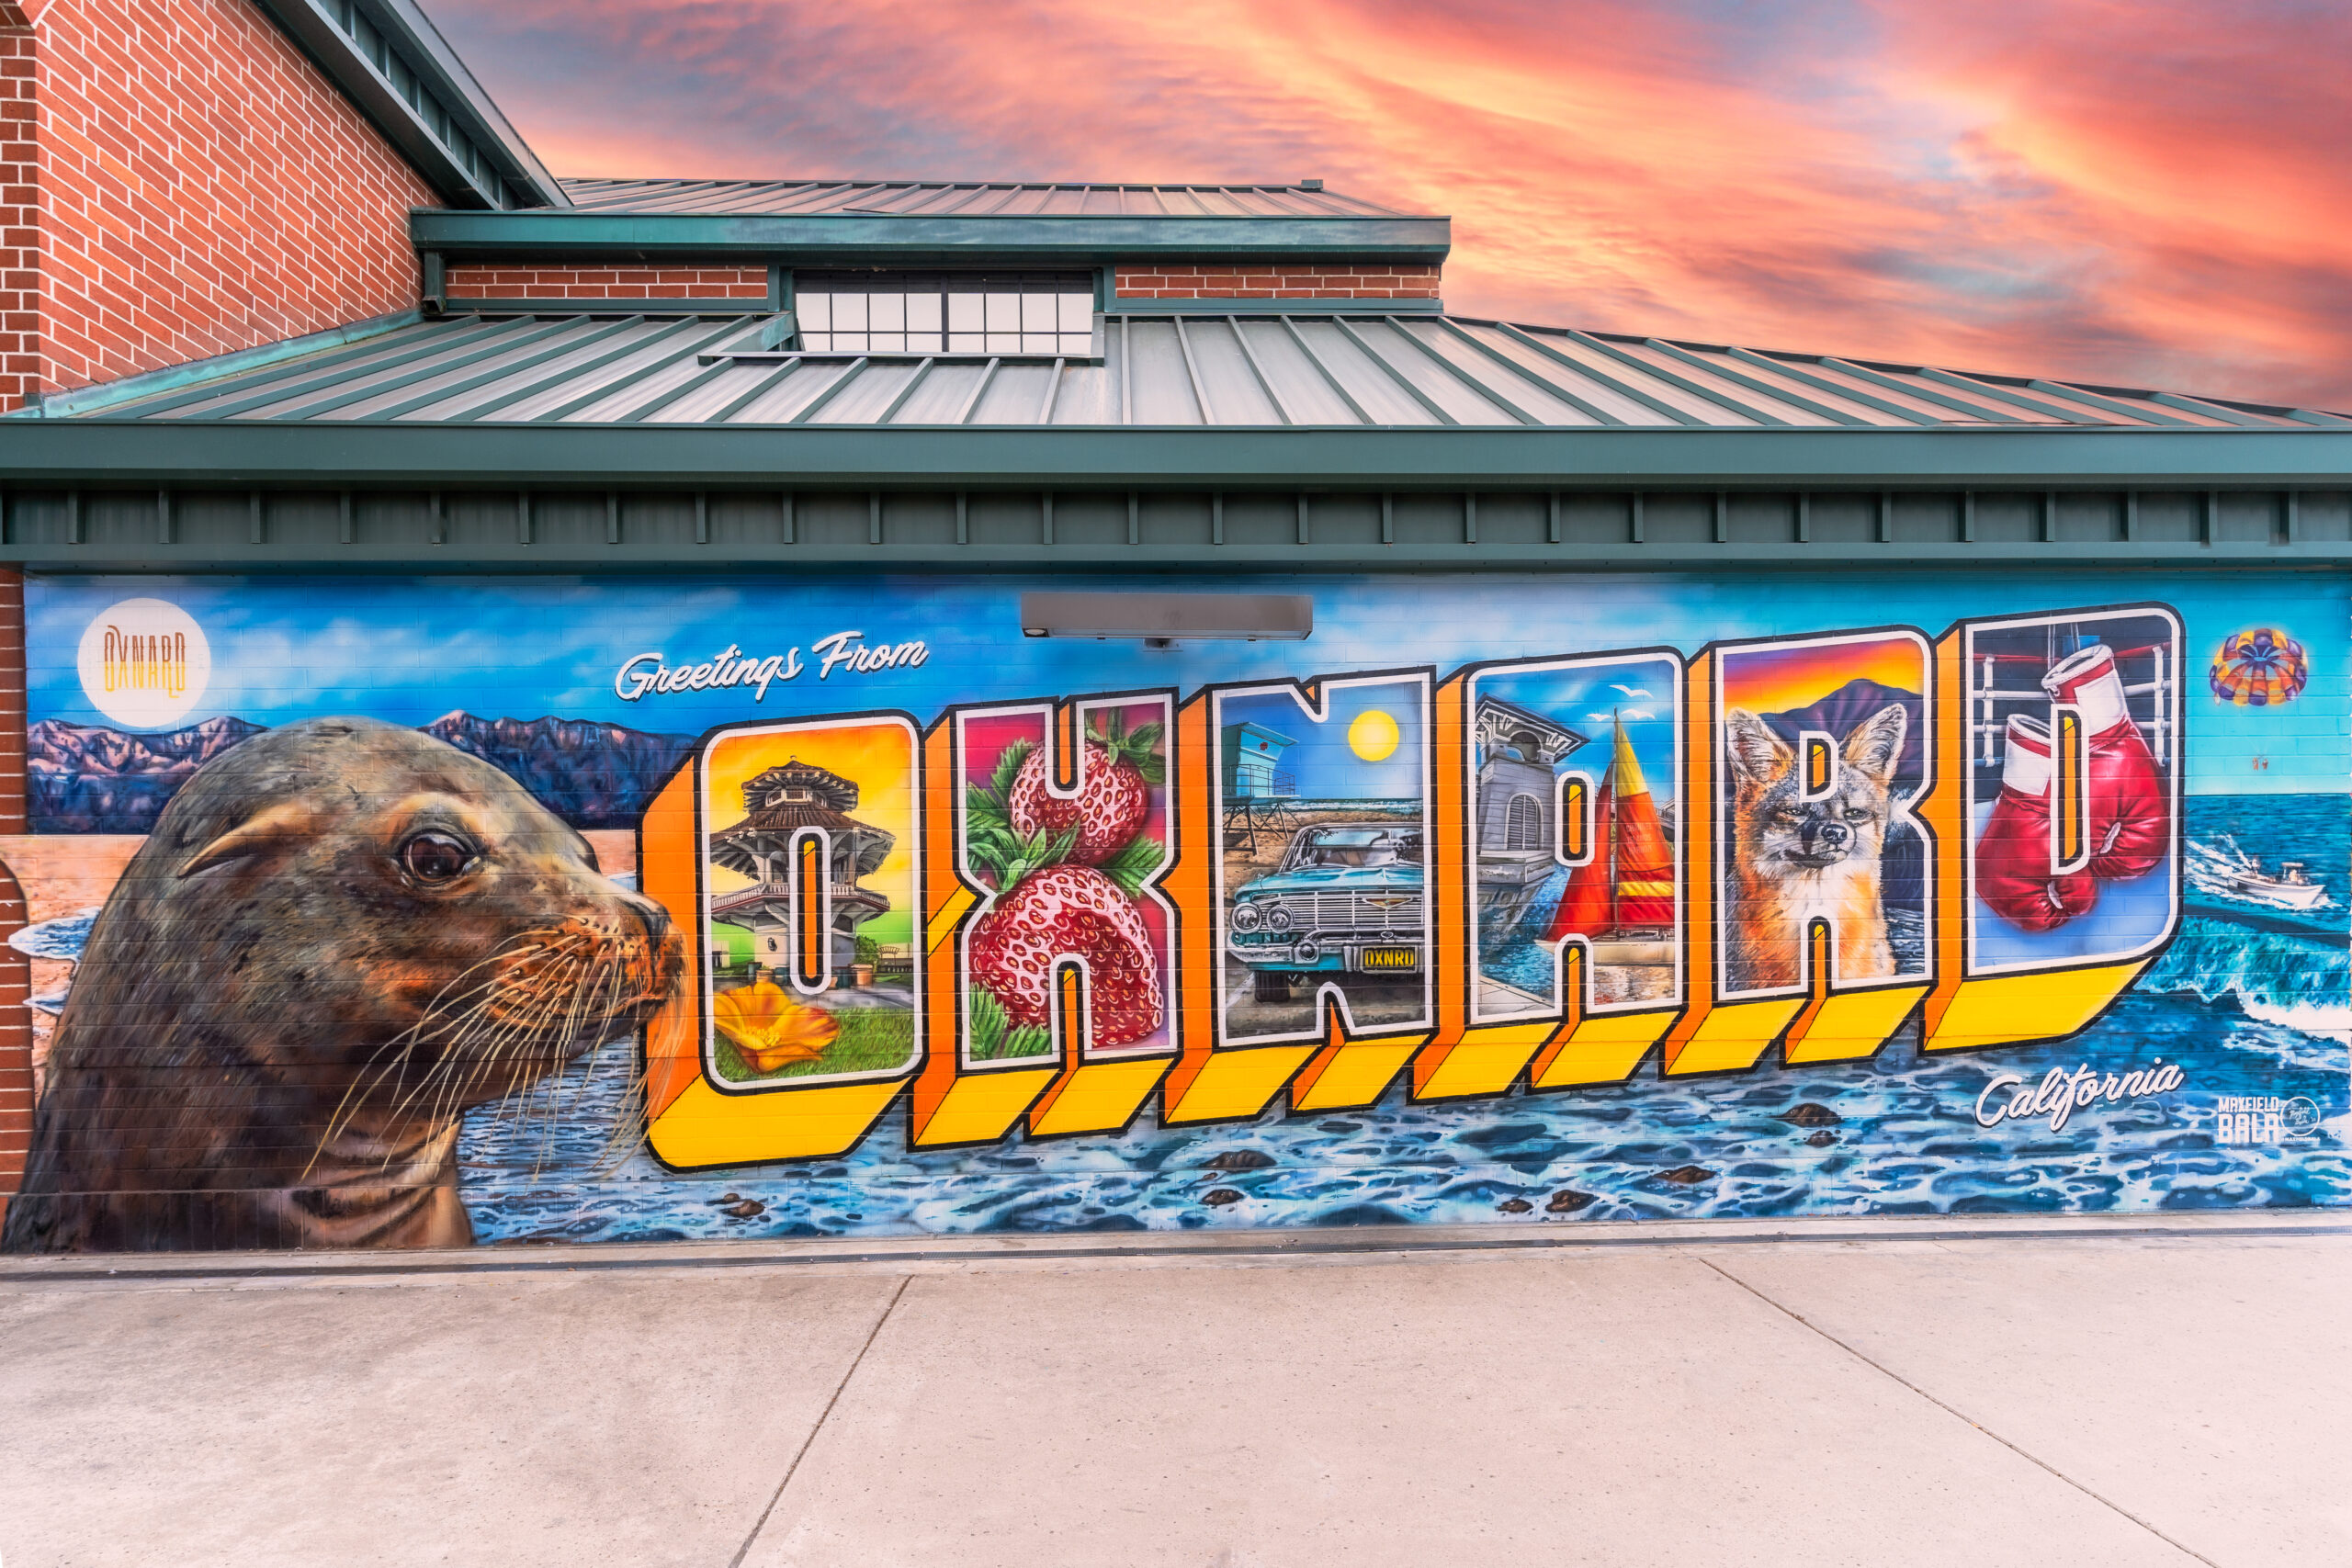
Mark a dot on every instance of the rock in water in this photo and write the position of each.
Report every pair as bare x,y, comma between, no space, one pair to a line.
1811,1114
1687,1175
1567,1200
1240,1159
1218,1197
749,1208
1515,1206
1822,1140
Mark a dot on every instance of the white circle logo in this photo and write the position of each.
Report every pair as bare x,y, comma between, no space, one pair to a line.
144,662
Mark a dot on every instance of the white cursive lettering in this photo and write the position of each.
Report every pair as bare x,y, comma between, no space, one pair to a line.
2061,1093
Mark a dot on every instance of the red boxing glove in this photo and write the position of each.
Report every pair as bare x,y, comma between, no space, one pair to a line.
2129,816
2019,847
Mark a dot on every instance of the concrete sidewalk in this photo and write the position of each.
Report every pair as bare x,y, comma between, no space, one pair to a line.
1964,1391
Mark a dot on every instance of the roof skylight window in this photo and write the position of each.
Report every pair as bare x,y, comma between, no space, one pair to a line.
1043,313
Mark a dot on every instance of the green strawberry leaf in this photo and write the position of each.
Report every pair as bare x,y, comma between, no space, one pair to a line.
1134,867
1008,768
982,809
994,1034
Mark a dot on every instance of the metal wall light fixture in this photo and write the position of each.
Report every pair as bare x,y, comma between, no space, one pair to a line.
1159,620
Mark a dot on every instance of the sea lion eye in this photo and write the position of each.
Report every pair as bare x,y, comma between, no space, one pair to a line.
436,857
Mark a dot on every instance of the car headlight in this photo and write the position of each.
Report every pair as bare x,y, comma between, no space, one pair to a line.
1248,917
1278,918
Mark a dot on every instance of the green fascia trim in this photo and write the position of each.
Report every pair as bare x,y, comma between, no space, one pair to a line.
1117,306
220,368
470,307
844,240
423,50
102,451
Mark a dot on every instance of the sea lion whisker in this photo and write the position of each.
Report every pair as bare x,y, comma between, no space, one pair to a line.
480,1022
604,986
520,1026
569,1031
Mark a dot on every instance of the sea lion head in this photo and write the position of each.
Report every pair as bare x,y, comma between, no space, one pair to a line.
365,913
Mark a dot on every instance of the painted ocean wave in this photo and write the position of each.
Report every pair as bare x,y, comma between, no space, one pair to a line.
2302,982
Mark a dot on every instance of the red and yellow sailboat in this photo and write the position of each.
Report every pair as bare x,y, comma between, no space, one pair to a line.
1622,900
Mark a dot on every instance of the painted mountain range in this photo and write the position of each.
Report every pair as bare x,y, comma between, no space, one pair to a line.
90,779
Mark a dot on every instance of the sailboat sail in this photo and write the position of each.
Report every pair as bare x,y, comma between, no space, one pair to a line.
1628,881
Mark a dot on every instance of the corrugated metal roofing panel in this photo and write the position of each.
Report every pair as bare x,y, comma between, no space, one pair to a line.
938,199
1176,369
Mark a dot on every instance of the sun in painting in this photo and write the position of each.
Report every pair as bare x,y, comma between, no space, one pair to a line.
1373,736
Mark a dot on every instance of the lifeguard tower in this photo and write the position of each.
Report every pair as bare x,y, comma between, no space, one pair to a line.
1257,791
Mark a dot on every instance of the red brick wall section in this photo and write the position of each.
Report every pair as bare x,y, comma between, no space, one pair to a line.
203,188
607,282
1372,280
20,243
15,970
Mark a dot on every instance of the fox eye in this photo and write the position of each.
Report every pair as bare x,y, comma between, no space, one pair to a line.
1857,814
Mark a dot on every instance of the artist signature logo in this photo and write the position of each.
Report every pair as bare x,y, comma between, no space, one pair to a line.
2061,1094
2240,1119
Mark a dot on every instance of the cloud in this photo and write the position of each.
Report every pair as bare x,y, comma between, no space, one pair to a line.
2148,193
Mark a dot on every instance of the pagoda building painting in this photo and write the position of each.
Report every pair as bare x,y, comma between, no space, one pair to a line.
784,806
1519,751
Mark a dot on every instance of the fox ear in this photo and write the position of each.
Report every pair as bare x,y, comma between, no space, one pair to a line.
1756,751
1874,746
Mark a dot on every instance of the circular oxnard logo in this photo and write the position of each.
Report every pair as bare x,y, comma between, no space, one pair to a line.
144,662
2299,1116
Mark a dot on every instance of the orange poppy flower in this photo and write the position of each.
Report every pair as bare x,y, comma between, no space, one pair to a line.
770,1029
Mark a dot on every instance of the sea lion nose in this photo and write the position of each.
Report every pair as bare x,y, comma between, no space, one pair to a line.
652,917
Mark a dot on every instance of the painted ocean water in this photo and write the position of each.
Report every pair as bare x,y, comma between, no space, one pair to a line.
2242,1006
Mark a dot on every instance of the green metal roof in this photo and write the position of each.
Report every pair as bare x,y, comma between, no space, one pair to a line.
971,198
1343,371
930,223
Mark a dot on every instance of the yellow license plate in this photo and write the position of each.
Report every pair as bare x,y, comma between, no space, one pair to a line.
1390,958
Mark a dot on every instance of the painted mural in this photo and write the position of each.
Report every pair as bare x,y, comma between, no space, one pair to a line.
421,912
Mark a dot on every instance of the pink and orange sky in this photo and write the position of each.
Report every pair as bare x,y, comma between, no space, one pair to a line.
2149,194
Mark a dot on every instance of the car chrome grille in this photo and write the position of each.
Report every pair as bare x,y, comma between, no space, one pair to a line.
1353,911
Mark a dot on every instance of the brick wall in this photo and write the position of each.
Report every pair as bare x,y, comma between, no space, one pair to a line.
203,188
20,243
1375,280
15,970
607,282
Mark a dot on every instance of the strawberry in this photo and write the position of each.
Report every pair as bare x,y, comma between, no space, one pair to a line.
1074,911
1113,795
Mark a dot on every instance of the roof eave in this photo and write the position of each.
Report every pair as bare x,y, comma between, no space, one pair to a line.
441,75
842,240
102,451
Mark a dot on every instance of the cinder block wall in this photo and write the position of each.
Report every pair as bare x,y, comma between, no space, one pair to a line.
1273,280
202,187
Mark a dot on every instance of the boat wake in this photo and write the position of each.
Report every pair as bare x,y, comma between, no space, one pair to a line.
2220,869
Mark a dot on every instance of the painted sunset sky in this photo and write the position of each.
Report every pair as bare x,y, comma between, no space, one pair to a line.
2148,194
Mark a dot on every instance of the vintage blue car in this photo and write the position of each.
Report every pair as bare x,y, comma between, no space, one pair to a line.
1345,900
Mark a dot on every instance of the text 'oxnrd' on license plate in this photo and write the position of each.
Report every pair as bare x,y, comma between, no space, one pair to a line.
1391,958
